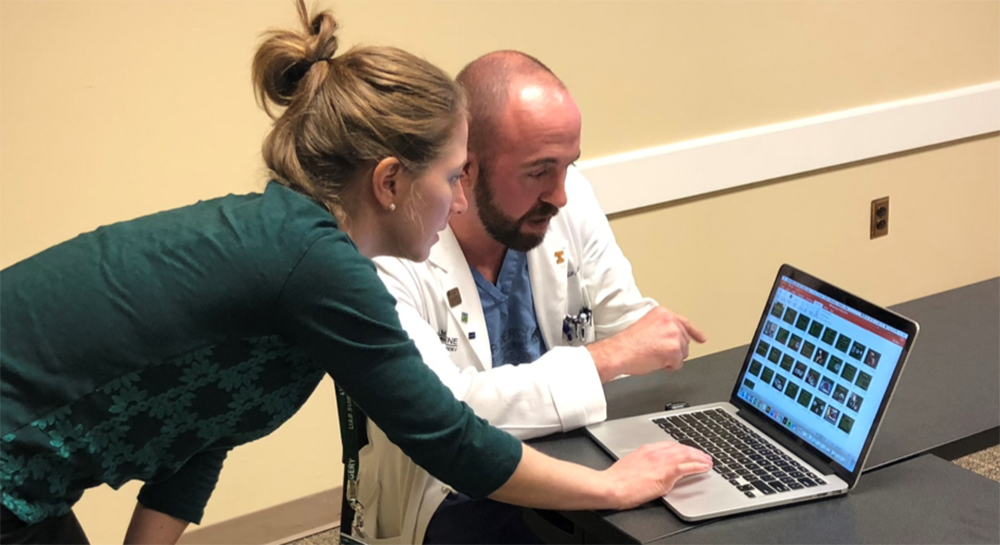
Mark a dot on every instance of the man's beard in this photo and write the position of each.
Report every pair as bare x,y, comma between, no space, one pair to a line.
504,229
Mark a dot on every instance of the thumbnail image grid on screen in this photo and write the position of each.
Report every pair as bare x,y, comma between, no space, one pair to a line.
821,370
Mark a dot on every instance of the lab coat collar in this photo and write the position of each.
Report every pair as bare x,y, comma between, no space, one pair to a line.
548,265
448,257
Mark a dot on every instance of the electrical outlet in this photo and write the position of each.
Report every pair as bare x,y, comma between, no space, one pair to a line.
880,217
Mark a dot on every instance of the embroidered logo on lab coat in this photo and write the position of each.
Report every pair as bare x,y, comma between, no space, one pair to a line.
450,343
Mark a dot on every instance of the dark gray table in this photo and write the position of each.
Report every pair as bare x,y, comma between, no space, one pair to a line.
947,402
921,500
943,504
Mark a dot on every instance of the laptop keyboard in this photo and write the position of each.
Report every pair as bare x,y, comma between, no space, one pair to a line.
738,452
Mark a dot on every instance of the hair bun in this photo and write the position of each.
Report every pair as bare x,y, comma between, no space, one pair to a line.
323,34
285,57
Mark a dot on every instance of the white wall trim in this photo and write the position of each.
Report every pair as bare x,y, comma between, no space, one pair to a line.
685,169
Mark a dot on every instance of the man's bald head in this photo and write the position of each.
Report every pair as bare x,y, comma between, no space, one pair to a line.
524,133
489,82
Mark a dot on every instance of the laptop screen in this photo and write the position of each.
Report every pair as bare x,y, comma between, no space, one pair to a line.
821,369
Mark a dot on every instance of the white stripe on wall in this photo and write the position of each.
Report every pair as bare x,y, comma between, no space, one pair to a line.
696,167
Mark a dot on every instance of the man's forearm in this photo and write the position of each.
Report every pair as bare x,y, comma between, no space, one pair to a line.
607,355
658,340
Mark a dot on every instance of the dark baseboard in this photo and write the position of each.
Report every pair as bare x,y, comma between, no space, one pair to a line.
974,443
279,524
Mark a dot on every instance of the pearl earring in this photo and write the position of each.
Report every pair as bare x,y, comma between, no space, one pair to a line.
392,206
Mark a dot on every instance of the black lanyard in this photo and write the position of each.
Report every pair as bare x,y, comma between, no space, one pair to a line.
354,436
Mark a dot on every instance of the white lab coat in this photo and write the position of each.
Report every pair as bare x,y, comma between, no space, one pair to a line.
579,265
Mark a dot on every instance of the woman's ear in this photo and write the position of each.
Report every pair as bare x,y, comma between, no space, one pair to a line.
387,181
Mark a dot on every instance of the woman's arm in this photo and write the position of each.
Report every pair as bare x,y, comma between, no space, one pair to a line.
153,527
645,474
335,308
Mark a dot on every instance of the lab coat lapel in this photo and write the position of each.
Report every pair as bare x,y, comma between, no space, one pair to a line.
548,264
454,272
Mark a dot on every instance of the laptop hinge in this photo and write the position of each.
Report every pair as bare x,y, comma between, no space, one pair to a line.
764,427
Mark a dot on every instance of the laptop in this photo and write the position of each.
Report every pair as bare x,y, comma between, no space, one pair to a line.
804,410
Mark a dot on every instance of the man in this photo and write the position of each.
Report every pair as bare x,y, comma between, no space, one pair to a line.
525,307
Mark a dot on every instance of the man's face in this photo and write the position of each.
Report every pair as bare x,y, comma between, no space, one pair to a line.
506,230
521,182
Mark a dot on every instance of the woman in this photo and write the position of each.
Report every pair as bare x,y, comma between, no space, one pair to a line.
147,349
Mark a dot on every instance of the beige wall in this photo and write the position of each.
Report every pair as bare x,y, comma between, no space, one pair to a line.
718,255
111,110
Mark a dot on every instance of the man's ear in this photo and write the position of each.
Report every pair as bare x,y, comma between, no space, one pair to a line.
387,181
470,172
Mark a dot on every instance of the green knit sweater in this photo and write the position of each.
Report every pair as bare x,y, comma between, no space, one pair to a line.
149,348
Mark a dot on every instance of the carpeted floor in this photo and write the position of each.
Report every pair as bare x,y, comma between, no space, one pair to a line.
330,537
985,462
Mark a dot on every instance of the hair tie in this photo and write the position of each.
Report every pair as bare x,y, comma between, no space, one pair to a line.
322,59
